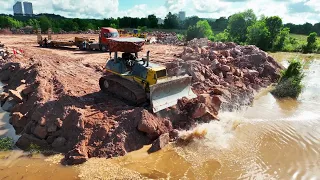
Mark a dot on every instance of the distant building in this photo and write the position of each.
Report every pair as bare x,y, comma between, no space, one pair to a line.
182,15
17,9
28,10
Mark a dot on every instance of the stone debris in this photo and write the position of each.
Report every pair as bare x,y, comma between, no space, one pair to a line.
226,69
159,143
169,38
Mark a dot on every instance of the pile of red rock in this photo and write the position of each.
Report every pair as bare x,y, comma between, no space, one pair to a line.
166,38
233,70
5,31
5,54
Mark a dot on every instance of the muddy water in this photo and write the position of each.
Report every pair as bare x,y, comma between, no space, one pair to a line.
272,139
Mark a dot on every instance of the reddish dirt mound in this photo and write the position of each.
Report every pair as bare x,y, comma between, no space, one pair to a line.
85,126
5,31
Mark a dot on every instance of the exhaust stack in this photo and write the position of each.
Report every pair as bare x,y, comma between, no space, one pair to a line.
148,58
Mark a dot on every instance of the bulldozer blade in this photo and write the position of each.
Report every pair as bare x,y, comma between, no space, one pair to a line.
166,94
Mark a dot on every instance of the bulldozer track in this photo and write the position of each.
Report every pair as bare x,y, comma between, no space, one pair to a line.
123,88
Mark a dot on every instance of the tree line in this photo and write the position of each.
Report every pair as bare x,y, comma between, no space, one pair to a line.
268,33
171,21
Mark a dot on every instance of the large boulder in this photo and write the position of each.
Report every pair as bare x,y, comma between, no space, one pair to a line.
40,132
18,120
59,142
26,140
9,104
160,143
152,125
78,155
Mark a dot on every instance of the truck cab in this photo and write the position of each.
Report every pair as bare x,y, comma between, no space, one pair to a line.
105,33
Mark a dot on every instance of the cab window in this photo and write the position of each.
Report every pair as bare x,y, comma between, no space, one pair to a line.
111,35
161,73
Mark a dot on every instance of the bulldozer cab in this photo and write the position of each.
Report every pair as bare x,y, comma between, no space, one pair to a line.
135,31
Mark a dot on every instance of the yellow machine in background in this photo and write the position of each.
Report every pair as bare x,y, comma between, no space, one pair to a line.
134,33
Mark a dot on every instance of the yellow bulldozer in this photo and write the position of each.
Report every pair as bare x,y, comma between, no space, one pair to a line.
133,33
140,81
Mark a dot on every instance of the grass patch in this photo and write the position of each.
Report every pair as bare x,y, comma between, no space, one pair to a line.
289,85
6,144
299,37
181,37
34,149
284,56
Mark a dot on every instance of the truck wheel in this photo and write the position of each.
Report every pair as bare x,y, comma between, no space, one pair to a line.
82,48
104,85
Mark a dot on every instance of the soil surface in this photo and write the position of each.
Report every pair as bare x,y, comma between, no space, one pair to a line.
56,103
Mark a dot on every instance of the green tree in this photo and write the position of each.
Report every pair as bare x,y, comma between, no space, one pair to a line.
311,43
249,17
91,26
113,25
9,22
281,40
105,23
34,23
191,21
312,38
274,25
222,37
44,23
316,28
205,28
200,30
259,35
220,24
193,32
171,21
290,83
238,25
307,28
153,21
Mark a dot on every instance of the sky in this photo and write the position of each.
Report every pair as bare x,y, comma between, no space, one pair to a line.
293,11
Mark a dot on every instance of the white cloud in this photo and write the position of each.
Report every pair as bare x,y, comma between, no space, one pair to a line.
175,5
290,11
315,4
85,8
210,5
142,10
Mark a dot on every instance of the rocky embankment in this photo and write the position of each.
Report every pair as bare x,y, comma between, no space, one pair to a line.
226,69
50,105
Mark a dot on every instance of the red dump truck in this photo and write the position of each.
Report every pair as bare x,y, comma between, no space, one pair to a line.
82,43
